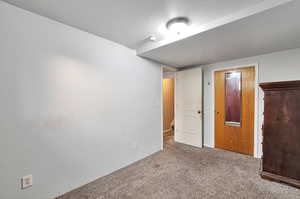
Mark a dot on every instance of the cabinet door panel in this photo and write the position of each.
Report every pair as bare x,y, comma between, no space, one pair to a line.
281,145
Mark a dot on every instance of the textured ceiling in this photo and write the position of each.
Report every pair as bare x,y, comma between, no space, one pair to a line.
276,29
130,22
225,30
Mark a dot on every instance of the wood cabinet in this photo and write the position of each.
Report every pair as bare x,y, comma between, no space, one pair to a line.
281,132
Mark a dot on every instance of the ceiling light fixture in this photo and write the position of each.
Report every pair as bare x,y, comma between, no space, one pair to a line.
178,25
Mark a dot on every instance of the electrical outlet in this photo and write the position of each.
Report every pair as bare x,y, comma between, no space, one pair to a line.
26,181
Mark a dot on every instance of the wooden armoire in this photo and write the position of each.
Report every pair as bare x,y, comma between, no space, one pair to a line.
281,132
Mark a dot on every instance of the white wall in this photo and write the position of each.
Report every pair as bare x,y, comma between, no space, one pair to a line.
73,106
169,74
279,66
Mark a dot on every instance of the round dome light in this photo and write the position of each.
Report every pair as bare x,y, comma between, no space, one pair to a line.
178,24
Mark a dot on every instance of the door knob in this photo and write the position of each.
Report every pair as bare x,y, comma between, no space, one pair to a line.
199,112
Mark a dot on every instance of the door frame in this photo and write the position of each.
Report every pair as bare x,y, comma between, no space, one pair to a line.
172,77
256,139
172,74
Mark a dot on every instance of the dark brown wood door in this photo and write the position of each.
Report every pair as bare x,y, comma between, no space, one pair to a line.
234,110
281,145
281,132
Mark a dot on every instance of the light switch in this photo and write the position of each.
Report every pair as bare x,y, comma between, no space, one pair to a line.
26,181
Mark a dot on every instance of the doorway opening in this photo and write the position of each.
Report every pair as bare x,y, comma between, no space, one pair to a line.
235,109
168,111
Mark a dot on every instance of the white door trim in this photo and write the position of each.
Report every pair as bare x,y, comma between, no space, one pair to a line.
256,153
171,74
162,108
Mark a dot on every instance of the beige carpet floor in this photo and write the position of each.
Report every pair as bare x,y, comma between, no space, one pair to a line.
185,172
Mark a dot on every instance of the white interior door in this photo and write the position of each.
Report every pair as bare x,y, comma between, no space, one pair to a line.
188,109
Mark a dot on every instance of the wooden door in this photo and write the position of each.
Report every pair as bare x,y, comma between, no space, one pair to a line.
188,111
234,110
168,97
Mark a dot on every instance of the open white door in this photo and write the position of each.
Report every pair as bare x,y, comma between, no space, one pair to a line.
188,107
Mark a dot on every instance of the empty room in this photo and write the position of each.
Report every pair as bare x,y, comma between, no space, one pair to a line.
160,99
